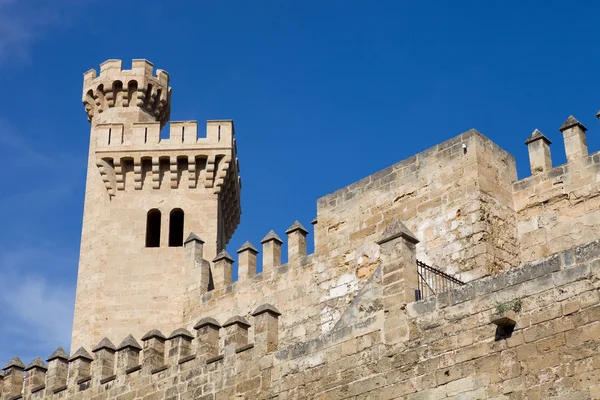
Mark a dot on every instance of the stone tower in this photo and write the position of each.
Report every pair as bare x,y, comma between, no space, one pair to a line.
144,196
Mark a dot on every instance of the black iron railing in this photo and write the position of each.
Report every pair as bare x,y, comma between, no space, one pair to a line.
432,281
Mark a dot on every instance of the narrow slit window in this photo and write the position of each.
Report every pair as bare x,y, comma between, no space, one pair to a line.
176,228
153,228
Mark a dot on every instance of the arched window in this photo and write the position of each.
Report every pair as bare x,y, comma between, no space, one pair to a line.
153,228
176,228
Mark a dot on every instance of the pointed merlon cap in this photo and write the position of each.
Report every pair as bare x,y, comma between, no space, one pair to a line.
571,122
271,236
207,321
154,334
129,343
395,230
314,221
104,344
181,332
266,308
37,363
296,226
193,237
248,247
236,320
223,255
15,363
59,353
81,353
537,135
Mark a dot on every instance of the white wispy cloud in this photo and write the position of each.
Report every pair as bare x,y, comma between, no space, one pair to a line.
22,22
37,310
12,142
37,272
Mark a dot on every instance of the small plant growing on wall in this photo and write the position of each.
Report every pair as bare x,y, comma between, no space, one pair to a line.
510,305
505,318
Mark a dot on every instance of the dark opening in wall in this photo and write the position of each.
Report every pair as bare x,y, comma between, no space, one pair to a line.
153,228
176,228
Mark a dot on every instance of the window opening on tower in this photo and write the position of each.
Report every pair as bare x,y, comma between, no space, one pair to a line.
176,228
153,228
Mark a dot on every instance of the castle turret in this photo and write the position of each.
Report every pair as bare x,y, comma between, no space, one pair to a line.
144,195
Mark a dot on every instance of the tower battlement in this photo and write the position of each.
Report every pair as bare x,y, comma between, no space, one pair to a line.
144,193
116,88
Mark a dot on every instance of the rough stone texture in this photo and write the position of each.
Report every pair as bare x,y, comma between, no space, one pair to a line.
449,351
538,146
340,323
455,197
559,208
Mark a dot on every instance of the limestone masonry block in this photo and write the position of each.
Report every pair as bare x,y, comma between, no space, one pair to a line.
13,378
538,146
207,333
180,345
154,349
222,269
104,360
271,251
79,367
236,332
35,375
266,328
128,355
574,136
58,368
296,242
246,261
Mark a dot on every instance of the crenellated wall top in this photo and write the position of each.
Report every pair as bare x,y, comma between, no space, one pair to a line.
118,88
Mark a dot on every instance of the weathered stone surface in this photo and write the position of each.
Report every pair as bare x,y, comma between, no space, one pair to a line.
207,321
37,363
339,323
247,246
105,344
129,343
59,353
15,362
154,333
270,237
81,353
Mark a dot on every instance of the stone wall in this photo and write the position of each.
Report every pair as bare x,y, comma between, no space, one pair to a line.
553,351
558,208
449,348
456,198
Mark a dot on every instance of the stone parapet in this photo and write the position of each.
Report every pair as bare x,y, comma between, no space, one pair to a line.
103,371
454,347
127,89
557,207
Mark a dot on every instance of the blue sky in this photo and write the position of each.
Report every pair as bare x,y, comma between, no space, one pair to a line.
322,94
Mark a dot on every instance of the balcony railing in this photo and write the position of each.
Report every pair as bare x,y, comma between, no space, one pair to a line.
432,281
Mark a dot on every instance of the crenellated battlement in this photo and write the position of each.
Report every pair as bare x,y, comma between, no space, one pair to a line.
208,162
146,136
138,88
211,346
557,206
